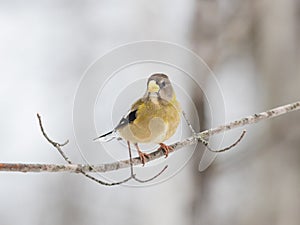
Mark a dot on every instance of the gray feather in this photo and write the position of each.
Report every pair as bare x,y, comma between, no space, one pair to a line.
106,137
128,118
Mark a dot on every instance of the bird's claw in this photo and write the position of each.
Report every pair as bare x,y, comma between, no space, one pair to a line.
166,149
143,157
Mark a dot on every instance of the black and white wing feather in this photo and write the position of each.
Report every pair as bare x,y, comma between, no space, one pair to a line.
127,119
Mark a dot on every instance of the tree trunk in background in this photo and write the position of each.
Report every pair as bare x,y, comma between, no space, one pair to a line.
263,188
205,41
277,54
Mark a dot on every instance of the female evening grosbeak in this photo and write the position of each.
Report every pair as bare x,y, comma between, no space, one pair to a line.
153,118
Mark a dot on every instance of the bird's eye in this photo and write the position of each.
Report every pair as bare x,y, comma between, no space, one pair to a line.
162,84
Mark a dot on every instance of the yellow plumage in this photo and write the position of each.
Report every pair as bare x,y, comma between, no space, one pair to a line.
164,116
152,119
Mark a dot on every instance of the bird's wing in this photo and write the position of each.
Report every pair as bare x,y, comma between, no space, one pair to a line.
130,116
127,119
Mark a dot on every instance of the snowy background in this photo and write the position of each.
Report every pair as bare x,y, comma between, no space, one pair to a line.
252,47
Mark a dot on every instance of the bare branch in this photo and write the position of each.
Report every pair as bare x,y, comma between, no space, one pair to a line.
131,169
252,119
226,148
55,144
79,168
58,147
188,122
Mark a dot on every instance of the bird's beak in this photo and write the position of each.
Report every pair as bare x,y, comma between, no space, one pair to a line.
153,87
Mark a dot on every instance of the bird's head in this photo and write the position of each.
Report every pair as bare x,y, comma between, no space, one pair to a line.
159,85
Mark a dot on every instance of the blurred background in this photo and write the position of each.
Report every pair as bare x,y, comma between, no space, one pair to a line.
251,45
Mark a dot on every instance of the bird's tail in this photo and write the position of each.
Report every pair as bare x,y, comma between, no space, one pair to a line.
106,137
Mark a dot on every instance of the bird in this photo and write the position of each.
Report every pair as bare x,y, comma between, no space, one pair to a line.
154,118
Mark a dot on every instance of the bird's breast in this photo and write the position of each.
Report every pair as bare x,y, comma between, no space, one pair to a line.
154,123
153,132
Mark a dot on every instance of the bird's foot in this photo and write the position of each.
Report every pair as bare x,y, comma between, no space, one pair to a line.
143,157
166,149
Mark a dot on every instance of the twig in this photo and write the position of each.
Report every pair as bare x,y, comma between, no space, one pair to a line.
226,148
205,142
78,168
132,173
188,123
58,147
252,119
55,144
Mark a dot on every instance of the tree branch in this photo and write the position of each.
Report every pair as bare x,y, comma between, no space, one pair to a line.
79,168
59,149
